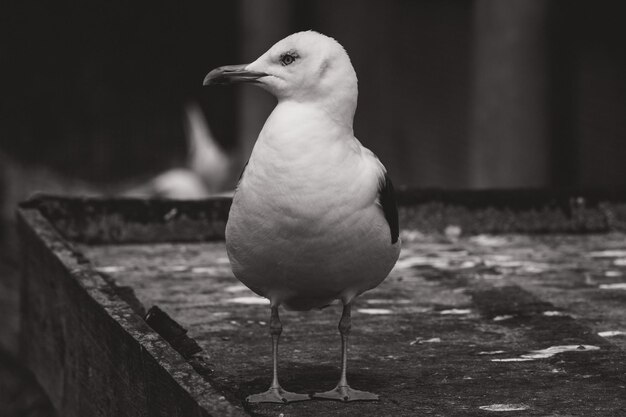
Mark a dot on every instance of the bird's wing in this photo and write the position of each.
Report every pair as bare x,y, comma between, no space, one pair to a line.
387,200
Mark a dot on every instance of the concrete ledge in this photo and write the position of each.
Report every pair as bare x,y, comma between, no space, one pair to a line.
468,323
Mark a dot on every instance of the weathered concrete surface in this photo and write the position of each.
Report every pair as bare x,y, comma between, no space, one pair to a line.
461,323
20,396
90,351
467,323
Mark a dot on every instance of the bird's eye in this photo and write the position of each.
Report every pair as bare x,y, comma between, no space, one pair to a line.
288,58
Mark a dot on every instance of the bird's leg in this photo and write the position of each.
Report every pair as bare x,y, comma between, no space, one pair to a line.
343,392
276,394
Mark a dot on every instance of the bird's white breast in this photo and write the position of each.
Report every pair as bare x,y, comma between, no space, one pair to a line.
304,227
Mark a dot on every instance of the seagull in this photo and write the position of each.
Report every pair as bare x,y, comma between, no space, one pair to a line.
313,218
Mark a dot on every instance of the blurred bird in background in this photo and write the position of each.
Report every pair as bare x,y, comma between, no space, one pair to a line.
313,217
207,171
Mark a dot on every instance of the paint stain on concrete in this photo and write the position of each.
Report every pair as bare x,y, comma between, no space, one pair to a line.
504,407
456,311
612,333
375,311
249,300
548,353
616,286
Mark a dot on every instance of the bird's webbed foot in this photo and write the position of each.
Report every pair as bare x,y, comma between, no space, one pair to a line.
346,394
277,395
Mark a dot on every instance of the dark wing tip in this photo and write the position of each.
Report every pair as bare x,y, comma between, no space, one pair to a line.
387,199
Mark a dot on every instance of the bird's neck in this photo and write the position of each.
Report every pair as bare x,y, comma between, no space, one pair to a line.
297,134
340,111
336,93
336,100
327,113
293,121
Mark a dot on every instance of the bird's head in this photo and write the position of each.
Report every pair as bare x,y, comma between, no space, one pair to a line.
306,67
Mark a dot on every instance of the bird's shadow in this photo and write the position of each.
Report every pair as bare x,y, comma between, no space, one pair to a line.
309,379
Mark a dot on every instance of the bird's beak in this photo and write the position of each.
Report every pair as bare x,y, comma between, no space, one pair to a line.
232,74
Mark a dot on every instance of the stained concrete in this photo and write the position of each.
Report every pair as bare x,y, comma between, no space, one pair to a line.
462,326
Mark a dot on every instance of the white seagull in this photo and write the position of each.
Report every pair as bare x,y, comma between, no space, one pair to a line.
313,217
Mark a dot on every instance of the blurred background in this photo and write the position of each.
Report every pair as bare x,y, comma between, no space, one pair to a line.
105,97
102,96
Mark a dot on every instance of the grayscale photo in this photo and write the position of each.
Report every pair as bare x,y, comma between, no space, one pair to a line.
309,208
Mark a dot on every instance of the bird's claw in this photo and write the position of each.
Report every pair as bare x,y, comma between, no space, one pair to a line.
345,393
278,396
